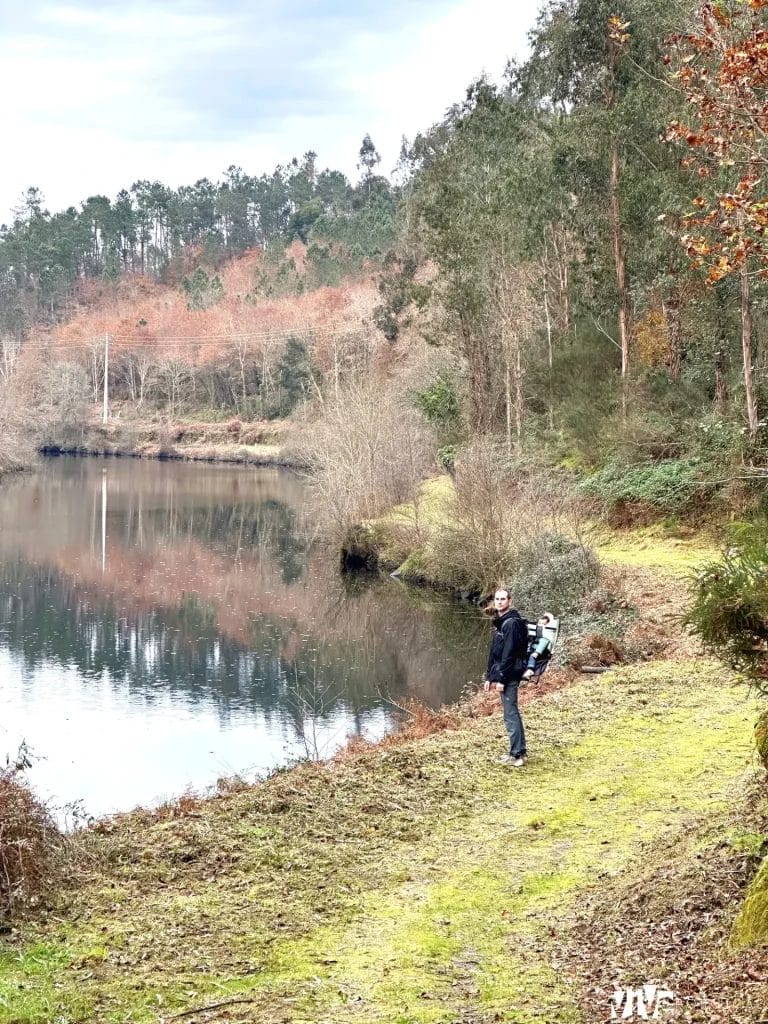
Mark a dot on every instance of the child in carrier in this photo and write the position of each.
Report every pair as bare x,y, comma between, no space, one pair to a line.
540,646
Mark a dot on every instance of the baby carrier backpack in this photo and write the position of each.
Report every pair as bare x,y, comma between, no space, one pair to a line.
541,644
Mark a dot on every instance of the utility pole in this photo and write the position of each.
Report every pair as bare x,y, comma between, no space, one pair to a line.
105,409
103,520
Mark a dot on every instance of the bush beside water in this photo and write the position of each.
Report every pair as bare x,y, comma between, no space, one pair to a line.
31,846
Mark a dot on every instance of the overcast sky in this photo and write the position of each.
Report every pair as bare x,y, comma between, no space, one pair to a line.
101,93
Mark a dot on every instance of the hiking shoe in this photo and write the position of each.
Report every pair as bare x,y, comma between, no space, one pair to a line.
516,762
506,759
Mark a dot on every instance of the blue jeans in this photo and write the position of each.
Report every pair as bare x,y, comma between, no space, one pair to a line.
513,721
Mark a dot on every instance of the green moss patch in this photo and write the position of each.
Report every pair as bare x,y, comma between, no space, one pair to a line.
751,926
668,920
648,547
761,738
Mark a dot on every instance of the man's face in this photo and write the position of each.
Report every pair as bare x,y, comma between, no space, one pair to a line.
501,601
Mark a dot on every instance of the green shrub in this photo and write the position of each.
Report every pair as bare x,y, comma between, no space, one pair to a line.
294,376
553,574
730,608
201,290
761,738
446,457
720,441
751,926
440,404
668,486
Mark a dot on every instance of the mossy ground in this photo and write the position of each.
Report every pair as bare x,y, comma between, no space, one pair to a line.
653,547
751,926
415,884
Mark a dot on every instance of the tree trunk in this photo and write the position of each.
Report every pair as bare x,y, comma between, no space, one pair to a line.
672,317
335,366
519,398
618,259
131,379
746,351
508,402
550,356
243,387
721,380
481,406
563,276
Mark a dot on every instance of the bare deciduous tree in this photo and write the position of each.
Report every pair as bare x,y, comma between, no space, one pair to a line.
174,376
367,452
9,353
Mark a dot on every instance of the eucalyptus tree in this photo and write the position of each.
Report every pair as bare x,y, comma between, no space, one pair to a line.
597,65
468,201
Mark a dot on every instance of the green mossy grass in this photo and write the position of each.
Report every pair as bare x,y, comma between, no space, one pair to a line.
751,926
404,534
650,547
413,884
761,738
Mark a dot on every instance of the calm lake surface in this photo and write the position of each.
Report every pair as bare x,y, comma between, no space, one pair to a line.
164,624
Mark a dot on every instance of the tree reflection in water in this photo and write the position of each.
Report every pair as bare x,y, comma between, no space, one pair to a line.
204,587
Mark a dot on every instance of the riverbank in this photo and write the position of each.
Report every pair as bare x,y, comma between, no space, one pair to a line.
424,882
409,539
258,443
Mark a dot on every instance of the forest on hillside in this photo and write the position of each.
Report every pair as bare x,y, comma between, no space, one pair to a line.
572,262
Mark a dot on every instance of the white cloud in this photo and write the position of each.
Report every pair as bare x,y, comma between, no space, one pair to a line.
104,95
430,69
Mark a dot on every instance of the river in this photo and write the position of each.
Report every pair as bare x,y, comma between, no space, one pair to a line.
163,625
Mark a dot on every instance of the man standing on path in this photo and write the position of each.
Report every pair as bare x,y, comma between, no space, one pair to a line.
506,664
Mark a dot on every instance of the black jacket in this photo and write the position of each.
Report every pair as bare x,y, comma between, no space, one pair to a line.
509,646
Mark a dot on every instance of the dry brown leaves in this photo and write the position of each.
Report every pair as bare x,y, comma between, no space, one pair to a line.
669,923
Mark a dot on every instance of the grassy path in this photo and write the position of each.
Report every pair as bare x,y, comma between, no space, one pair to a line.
425,883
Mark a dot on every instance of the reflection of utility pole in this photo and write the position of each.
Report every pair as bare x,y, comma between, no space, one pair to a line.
103,520
105,409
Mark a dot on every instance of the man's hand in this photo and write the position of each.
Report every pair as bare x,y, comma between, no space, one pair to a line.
499,687
486,685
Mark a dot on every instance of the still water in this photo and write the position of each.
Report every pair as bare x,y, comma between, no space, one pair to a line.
163,625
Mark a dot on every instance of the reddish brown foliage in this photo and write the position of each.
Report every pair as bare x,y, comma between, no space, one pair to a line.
145,316
30,844
723,70
422,721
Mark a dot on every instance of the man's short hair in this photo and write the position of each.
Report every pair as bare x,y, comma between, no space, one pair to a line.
501,590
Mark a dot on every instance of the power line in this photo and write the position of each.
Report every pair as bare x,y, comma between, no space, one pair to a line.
195,340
